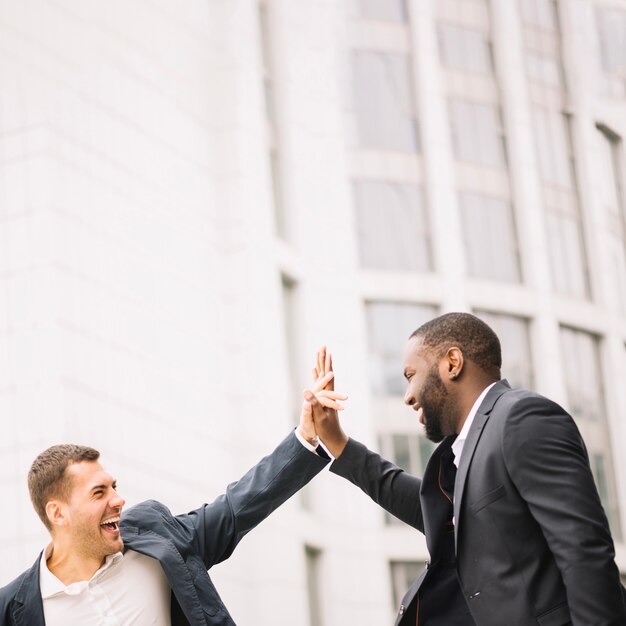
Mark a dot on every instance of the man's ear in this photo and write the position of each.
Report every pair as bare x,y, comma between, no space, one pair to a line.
56,511
454,362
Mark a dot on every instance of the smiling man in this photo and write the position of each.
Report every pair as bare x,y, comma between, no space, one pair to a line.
512,518
145,565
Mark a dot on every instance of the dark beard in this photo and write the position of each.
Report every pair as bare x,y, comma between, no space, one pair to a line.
433,400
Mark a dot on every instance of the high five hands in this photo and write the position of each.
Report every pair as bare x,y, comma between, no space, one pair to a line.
320,407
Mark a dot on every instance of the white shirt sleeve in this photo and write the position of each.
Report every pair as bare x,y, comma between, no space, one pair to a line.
305,443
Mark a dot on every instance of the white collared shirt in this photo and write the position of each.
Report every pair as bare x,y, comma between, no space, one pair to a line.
130,589
459,442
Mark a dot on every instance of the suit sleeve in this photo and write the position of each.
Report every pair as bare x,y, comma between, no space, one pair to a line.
547,460
392,488
220,525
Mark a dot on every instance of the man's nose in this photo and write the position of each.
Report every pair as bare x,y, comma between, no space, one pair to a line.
117,502
409,398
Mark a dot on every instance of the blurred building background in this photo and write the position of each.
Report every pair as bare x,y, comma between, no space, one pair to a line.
194,196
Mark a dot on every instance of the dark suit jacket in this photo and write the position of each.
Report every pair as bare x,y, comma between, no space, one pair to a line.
188,545
532,541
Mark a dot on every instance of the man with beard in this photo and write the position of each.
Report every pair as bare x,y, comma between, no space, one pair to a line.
517,535
145,565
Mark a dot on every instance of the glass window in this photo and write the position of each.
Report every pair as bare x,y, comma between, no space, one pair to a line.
477,133
490,239
612,37
599,468
552,139
313,558
383,102
541,14
387,10
515,342
289,288
389,325
567,255
464,49
392,227
582,374
409,451
403,573
543,69
610,191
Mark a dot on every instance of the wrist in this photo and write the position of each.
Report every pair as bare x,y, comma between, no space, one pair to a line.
311,439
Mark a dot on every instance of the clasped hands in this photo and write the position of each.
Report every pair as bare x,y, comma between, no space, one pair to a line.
319,418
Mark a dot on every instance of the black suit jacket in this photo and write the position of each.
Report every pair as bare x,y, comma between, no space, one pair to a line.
533,545
188,545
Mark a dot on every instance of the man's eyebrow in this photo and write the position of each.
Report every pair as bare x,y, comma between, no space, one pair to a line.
96,487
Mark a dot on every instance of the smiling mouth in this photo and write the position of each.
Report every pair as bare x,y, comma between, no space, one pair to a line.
111,524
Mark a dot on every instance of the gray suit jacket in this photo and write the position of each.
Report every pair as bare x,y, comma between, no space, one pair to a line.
188,545
533,544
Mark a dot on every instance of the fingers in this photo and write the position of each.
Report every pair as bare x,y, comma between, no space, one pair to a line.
323,366
321,360
330,404
329,358
324,397
320,383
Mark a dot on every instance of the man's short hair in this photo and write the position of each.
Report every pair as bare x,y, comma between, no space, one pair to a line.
471,335
48,478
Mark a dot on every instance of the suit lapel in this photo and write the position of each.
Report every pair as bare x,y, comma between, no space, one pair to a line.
433,509
480,419
27,609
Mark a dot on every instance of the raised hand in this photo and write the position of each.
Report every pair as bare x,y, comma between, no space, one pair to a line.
323,388
323,405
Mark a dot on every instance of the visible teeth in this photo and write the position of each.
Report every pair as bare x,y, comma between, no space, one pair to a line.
112,520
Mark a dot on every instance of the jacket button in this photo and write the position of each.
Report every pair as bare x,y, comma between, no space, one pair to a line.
402,610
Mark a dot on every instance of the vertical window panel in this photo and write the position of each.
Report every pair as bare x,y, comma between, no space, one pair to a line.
477,134
553,147
392,227
409,451
289,315
490,238
543,69
385,10
541,14
567,257
403,573
313,558
383,102
389,325
515,342
611,24
611,192
583,375
464,49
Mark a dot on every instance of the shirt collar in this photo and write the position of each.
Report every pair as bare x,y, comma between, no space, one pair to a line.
457,446
50,585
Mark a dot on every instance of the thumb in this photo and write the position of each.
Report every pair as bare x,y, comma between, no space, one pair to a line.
310,398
